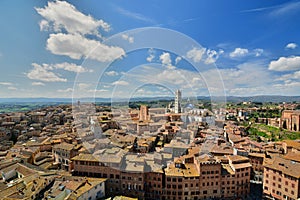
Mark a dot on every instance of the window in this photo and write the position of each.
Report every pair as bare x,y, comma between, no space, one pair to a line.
293,185
204,192
266,188
215,191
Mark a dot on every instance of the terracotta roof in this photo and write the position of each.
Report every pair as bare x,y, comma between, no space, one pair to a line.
65,146
261,155
188,170
237,158
85,157
292,143
292,156
285,166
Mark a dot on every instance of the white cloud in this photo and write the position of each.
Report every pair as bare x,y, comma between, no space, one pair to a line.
258,52
212,56
196,54
98,91
177,60
165,59
6,83
112,73
288,77
12,88
71,67
291,46
239,52
120,83
83,86
77,47
42,73
37,84
151,56
64,16
65,90
285,64
128,38
44,25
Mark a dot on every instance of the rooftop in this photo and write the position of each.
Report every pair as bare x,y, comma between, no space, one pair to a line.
285,166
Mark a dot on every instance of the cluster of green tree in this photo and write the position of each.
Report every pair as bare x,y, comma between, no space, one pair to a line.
262,132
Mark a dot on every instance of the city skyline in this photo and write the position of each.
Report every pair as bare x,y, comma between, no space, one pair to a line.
253,46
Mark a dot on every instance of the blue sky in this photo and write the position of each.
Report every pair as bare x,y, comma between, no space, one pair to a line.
150,48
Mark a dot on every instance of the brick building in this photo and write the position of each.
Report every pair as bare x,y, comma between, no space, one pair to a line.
188,177
281,178
290,120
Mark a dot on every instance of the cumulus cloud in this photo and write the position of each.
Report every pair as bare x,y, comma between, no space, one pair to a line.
285,64
37,84
128,38
76,46
291,46
44,25
196,54
165,59
151,55
112,73
42,73
63,16
239,52
177,60
120,83
212,56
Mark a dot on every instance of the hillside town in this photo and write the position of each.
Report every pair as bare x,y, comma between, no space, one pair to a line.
181,151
